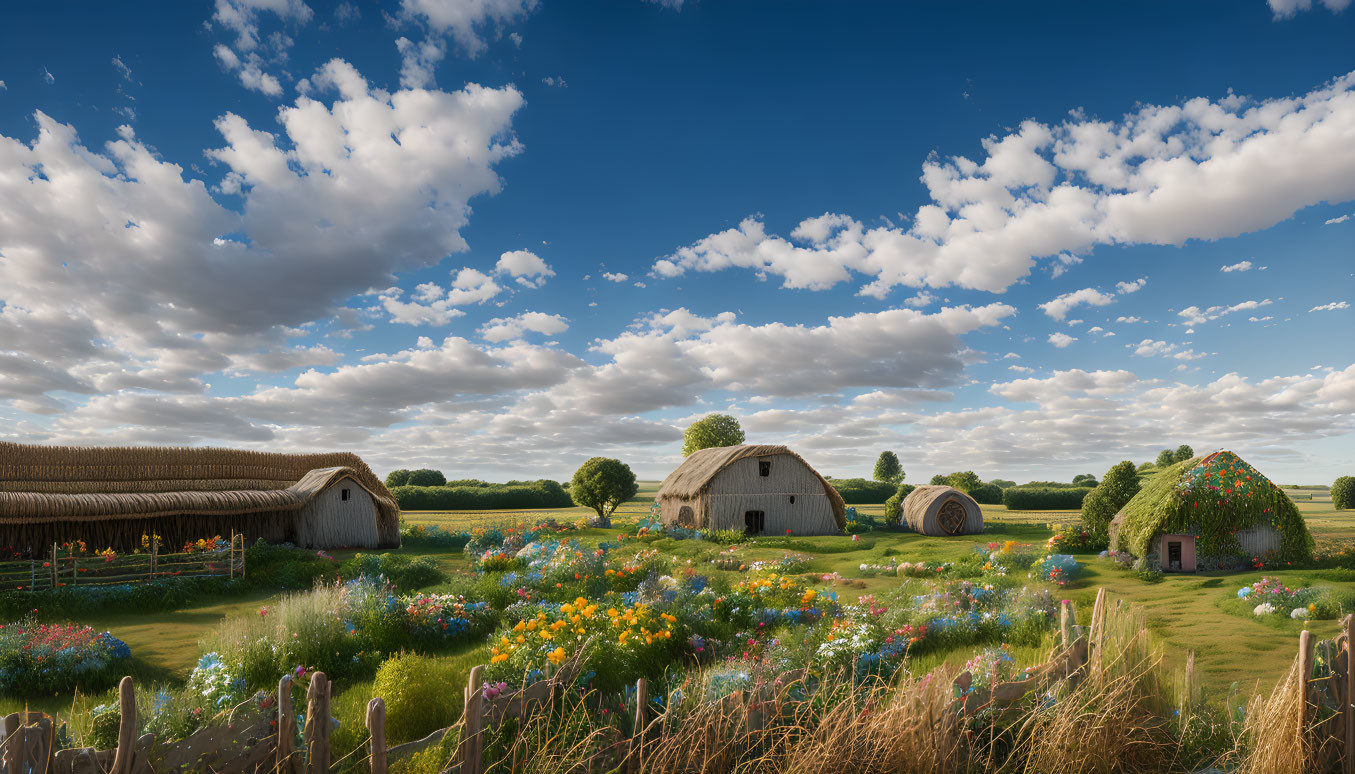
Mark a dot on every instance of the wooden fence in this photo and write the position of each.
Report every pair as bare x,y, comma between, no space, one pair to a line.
62,568
253,742
1326,711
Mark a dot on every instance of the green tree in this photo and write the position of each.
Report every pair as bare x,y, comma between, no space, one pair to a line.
1165,458
1003,483
1343,493
397,478
603,484
426,477
894,505
938,480
711,431
888,469
966,481
1183,453
1084,479
1119,485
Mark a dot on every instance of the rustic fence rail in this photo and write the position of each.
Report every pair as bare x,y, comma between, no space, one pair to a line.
62,568
254,742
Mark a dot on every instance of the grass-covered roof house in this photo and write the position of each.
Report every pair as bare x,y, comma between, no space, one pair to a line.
1210,512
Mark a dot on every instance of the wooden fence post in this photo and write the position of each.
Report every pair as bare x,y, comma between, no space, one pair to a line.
637,737
286,726
1348,711
1066,621
376,724
230,557
316,734
155,540
122,758
54,563
1305,672
472,722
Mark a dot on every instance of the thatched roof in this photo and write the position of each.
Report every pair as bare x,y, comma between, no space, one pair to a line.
919,509
691,478
62,483
1215,496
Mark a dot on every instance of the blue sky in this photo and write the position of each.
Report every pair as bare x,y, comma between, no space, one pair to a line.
988,236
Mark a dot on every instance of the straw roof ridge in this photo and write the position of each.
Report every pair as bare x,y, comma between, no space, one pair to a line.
1215,496
700,467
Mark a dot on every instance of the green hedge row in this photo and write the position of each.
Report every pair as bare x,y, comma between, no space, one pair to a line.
861,491
1019,498
535,494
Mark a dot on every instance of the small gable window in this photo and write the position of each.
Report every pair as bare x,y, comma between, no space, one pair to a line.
764,468
347,493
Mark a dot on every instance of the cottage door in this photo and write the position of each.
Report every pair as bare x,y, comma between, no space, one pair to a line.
1174,555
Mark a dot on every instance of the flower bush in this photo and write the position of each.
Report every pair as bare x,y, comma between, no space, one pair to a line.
1272,596
624,642
42,659
1059,569
1074,540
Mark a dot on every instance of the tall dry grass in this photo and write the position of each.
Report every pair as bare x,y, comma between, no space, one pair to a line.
1127,712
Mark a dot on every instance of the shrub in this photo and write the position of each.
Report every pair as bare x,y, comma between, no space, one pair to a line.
894,505
1022,498
42,659
1343,493
397,478
724,537
1118,487
987,494
419,536
104,721
399,569
417,699
859,491
461,496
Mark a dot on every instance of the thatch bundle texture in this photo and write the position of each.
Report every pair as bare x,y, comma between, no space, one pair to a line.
758,489
110,497
942,511
1226,504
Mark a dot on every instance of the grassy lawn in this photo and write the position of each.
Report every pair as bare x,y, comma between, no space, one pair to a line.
1184,612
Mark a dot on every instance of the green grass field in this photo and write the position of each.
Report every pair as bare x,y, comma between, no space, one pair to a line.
1185,612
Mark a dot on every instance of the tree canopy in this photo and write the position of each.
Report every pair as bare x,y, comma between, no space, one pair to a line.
397,478
888,469
711,431
603,484
1343,492
426,477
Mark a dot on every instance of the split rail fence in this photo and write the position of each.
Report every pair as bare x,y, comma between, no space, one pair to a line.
63,568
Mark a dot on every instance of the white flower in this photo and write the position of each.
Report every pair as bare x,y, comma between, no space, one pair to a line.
1265,608
1299,612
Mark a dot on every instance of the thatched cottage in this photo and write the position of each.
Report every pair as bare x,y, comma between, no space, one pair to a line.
1210,512
110,497
762,490
942,511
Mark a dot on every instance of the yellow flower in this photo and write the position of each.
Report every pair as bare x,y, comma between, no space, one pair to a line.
556,656
531,626
669,618
498,658
622,638
611,612
519,627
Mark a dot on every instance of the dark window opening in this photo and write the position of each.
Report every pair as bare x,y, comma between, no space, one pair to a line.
754,522
792,499
686,517
764,468
346,494
1173,555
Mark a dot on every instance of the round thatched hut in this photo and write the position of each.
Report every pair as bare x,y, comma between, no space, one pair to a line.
1210,512
942,511
109,497
762,490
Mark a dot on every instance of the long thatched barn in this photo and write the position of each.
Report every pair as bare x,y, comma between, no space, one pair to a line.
110,497
760,490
